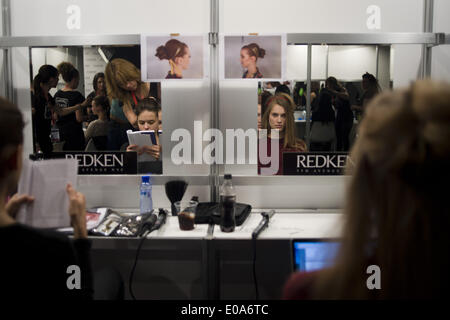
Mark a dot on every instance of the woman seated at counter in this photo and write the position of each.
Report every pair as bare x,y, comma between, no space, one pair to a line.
396,215
147,112
279,122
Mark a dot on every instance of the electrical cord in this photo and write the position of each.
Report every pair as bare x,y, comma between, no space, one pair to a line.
135,264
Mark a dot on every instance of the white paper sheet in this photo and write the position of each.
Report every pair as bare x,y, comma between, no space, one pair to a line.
46,180
143,138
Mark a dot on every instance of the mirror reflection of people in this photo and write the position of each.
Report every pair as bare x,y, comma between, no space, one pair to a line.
147,112
370,89
43,105
69,104
125,89
98,83
97,130
249,56
344,114
279,116
396,214
178,55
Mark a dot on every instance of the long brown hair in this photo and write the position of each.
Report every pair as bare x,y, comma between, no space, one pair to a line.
286,102
396,216
117,73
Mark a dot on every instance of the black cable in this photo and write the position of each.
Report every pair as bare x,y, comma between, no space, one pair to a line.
134,266
254,267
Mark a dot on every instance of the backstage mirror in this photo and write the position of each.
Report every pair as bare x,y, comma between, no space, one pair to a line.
344,78
100,124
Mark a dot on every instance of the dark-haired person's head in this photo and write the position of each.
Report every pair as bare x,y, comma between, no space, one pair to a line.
396,213
147,111
283,89
69,74
11,140
332,83
46,79
100,105
369,81
262,106
99,83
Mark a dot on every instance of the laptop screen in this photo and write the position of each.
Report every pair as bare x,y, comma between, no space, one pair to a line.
314,254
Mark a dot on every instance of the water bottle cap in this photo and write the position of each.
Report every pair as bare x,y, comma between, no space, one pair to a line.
146,179
227,176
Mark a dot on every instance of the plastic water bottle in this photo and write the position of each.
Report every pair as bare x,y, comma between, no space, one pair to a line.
227,205
146,202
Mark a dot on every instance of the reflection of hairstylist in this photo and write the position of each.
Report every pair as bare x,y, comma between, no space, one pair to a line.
179,57
249,55
43,104
125,89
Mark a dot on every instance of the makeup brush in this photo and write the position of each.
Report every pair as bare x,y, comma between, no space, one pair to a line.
175,191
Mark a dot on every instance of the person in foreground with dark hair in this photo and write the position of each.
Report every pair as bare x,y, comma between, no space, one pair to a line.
34,262
396,214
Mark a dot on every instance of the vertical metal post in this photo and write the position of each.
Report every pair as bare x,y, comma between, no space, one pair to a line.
214,89
308,94
7,56
428,6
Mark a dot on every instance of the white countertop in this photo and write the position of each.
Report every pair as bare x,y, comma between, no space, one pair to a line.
281,226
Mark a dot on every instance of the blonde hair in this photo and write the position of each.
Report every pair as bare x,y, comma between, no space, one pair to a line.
396,215
286,102
117,73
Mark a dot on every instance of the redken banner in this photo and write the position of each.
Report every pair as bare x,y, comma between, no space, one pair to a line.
98,162
314,163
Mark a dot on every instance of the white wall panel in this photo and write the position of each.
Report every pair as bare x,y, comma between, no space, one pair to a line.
349,63
49,17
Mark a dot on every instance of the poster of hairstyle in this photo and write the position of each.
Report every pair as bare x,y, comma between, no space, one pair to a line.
253,57
170,57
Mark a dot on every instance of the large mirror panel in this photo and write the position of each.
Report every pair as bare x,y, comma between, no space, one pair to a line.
81,105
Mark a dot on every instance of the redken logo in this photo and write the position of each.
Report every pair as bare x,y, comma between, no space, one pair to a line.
98,163
314,163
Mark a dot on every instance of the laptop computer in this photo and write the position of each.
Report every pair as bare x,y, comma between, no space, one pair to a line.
313,254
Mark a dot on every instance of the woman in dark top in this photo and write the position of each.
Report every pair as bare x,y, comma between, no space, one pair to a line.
323,131
249,56
396,214
69,105
34,262
43,105
344,114
178,55
370,88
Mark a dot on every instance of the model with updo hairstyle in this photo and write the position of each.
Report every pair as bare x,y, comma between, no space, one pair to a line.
249,55
396,214
178,55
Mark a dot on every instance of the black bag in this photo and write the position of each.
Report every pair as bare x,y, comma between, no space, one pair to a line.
209,212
